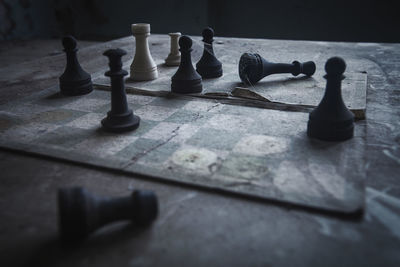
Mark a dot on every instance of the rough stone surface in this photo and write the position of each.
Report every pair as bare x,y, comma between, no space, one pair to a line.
196,227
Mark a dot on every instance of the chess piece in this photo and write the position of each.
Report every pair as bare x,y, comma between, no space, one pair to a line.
186,80
209,66
252,68
81,213
332,120
120,118
74,80
143,67
174,57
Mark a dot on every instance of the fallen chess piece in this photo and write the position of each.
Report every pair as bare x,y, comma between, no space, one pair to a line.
331,120
186,80
120,118
209,66
252,68
81,213
74,81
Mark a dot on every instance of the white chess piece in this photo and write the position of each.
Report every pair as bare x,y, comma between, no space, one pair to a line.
143,67
174,57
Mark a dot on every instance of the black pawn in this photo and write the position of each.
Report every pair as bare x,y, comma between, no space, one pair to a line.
74,80
209,66
186,80
332,120
81,213
252,68
120,118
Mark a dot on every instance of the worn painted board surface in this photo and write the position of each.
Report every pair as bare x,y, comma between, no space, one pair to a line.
279,88
246,150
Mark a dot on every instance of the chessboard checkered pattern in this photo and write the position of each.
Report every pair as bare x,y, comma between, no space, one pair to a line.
247,150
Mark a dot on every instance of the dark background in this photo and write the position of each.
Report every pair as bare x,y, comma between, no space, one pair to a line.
351,20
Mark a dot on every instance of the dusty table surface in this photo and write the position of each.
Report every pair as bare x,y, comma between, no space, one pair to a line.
195,227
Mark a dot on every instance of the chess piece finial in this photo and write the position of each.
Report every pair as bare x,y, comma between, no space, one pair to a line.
81,213
174,57
143,67
74,80
209,66
186,80
253,67
120,118
331,120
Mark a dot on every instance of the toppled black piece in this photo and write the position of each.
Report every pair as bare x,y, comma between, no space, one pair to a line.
81,213
252,68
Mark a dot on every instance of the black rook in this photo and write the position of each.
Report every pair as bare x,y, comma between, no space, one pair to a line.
81,213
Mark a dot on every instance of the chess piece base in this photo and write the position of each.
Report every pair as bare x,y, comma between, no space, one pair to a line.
143,75
186,86
330,131
117,123
76,88
173,60
210,72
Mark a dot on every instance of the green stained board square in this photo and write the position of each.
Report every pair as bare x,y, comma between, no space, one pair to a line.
214,139
64,136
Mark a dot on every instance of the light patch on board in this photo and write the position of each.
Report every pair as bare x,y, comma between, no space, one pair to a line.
233,123
261,145
155,113
87,121
195,159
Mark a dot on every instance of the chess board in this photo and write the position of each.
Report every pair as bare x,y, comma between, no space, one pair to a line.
210,143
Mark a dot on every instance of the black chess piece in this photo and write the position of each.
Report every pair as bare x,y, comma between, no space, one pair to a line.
81,213
252,68
120,118
186,80
209,66
74,80
332,120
